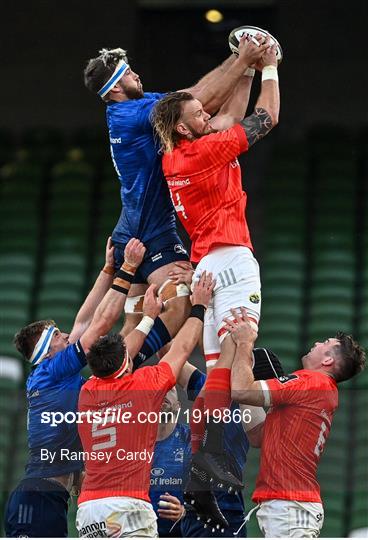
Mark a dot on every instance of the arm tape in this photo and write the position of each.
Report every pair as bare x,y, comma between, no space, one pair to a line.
198,311
121,290
124,275
145,325
257,415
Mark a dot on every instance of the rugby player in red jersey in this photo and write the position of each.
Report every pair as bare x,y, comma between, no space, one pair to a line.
114,500
204,177
296,427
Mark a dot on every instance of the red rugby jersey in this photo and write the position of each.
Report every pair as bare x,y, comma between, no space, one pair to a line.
204,179
295,431
139,393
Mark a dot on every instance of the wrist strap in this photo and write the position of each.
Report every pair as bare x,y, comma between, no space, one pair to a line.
269,73
145,325
198,311
108,270
128,268
249,72
122,281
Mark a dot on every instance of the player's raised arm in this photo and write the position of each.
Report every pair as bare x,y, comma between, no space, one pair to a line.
101,286
113,302
152,307
215,88
235,107
267,108
244,389
187,338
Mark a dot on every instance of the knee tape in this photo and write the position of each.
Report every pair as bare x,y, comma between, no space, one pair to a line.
169,290
134,304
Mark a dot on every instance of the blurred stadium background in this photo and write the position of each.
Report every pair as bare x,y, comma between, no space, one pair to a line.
307,186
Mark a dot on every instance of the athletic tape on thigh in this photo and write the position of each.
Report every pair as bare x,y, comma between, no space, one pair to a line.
169,290
211,342
134,304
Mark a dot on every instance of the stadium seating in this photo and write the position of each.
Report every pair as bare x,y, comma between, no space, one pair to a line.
94,144
62,288
7,146
47,144
283,260
69,209
20,198
16,287
11,375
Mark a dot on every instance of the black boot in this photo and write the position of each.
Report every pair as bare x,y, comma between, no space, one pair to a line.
199,496
218,469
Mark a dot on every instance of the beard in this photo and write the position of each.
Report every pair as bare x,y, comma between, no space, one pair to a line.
134,93
198,134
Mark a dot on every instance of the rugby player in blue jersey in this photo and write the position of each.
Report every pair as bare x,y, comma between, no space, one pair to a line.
170,467
38,505
147,211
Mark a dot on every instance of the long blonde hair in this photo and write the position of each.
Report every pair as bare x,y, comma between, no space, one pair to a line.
166,115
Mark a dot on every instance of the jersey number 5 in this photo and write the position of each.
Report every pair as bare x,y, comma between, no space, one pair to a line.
99,431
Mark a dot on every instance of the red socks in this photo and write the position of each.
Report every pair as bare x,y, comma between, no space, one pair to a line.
218,390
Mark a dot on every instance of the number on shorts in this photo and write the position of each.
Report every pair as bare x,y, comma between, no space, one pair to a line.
99,431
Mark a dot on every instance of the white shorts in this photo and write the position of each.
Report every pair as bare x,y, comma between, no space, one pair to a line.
237,284
116,517
290,519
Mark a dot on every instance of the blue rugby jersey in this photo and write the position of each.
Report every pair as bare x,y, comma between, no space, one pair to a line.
169,472
147,210
53,386
236,444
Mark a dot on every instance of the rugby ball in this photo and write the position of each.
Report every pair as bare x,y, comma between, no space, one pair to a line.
239,32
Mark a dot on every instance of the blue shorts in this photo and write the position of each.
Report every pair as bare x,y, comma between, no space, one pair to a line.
37,508
160,251
193,528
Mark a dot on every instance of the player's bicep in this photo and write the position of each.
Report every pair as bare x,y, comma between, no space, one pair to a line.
257,125
254,394
175,361
77,331
220,122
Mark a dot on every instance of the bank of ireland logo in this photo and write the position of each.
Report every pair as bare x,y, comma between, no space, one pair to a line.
157,471
255,298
